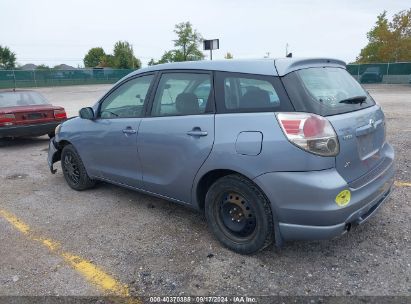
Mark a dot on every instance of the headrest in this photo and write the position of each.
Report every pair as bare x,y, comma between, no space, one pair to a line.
187,103
255,98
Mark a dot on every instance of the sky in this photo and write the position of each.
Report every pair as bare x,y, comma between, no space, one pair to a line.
58,31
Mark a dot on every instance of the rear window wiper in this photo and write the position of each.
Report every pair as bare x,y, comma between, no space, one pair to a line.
355,100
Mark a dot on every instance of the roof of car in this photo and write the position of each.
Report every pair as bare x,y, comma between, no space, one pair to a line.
266,66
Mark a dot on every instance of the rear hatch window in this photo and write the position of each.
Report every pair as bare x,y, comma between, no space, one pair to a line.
326,91
357,121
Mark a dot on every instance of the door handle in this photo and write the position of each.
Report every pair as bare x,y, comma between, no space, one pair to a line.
197,132
129,131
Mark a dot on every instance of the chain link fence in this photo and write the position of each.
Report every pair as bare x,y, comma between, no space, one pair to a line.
49,78
395,73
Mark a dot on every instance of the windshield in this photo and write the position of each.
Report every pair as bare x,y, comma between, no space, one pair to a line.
24,98
326,91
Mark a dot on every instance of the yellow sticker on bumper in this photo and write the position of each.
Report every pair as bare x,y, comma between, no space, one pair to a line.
343,198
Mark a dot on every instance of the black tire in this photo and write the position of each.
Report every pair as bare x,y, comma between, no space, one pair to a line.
74,171
51,135
250,228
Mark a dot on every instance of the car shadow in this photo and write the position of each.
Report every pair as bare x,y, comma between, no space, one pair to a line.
23,141
196,221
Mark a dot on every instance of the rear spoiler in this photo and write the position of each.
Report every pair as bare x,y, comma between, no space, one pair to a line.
288,65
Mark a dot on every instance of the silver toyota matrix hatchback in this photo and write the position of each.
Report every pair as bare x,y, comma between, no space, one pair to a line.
270,150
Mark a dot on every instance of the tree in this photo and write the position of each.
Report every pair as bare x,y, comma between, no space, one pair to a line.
152,62
187,42
401,28
186,45
106,61
171,56
94,57
43,67
124,56
388,41
228,56
7,58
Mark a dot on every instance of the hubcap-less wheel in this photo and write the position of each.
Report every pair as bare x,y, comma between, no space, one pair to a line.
239,214
236,215
71,168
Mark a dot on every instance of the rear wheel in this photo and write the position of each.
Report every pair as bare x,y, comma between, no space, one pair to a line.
239,214
73,170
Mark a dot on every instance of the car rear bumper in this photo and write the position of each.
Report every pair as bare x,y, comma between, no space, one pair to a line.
307,232
304,203
29,130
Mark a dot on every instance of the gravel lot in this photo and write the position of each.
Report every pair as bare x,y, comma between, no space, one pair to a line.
159,248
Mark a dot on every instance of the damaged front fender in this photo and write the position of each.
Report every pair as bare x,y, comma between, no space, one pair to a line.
54,155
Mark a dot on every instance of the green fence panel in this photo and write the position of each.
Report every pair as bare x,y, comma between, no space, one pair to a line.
399,68
42,78
353,69
365,73
395,73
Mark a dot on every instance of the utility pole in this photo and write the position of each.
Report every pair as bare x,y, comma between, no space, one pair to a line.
34,76
15,83
132,56
287,55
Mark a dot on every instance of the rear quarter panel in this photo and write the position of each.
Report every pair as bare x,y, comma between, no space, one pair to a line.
277,153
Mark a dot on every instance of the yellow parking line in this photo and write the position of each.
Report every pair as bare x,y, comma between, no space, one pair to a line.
50,244
19,225
402,184
96,275
90,272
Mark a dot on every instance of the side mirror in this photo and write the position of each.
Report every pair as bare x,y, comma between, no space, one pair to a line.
87,113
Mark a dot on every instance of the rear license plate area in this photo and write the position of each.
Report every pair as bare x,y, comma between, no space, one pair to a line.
367,145
33,116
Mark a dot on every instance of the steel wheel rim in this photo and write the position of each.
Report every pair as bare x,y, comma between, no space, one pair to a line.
71,168
236,216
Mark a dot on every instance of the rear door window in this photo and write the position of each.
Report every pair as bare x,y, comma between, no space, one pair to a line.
183,94
326,91
239,92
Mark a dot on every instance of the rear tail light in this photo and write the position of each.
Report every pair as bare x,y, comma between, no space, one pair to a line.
7,119
310,132
60,114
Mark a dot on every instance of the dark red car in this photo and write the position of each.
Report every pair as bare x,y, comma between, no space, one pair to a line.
28,113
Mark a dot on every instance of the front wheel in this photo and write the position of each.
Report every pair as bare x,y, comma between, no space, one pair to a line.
239,214
73,170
